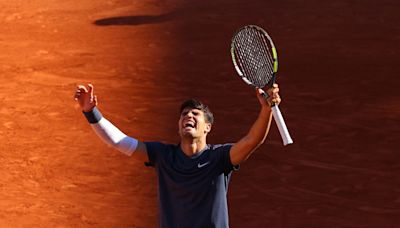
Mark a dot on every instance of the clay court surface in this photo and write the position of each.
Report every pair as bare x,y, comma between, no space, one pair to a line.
339,79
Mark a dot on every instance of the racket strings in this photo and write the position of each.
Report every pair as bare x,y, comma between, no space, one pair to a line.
254,57
251,58
268,57
257,59
265,72
260,47
243,59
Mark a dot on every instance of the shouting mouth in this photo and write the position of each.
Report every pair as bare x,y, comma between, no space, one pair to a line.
189,125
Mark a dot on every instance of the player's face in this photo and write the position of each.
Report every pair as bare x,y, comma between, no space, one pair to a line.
193,123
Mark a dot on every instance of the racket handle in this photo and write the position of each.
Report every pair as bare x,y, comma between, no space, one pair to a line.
281,125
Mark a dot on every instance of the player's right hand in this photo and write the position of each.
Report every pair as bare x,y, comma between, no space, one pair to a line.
85,97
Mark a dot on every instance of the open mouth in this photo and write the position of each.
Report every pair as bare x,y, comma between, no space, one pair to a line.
189,125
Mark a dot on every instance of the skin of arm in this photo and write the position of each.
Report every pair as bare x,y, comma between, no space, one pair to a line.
258,132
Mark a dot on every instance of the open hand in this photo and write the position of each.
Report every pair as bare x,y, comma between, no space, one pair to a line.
85,97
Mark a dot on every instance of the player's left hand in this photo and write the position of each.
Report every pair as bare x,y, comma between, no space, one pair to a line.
273,96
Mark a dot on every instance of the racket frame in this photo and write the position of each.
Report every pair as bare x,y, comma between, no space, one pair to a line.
280,122
273,50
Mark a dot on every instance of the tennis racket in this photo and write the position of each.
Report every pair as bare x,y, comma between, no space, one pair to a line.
256,61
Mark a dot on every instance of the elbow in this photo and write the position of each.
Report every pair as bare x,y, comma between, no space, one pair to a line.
127,145
116,144
124,151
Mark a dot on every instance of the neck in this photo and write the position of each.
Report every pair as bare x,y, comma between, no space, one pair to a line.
193,146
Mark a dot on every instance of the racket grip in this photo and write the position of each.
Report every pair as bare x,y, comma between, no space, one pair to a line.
281,125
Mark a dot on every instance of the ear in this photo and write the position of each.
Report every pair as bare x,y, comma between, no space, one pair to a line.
208,127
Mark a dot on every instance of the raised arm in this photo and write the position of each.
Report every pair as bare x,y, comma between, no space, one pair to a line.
107,132
241,150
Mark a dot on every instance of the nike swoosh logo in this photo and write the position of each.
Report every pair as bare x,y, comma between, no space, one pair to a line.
202,165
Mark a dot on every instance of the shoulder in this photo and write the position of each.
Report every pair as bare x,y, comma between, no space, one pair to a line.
221,147
159,146
158,151
219,150
221,153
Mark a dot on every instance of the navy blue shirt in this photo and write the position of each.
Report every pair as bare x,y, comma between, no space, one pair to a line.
192,190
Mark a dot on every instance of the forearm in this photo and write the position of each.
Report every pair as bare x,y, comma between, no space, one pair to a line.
253,139
110,134
259,130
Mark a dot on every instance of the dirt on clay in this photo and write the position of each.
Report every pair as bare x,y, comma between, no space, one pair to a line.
338,77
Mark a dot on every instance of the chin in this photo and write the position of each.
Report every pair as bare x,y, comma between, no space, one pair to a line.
187,134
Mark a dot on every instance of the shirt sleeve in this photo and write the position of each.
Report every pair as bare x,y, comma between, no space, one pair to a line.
153,152
226,158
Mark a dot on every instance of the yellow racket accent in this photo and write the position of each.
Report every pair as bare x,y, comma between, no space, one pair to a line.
275,56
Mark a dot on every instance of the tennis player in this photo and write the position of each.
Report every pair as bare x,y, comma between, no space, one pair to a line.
193,176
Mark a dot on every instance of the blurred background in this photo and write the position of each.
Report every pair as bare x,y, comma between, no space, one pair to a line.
338,75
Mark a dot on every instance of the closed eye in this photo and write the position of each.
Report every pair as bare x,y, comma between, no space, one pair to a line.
194,112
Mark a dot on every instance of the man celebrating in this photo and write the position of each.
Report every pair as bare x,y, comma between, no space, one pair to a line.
193,176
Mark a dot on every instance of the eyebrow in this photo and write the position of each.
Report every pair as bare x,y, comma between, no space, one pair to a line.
186,110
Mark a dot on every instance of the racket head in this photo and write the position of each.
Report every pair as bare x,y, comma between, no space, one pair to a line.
254,56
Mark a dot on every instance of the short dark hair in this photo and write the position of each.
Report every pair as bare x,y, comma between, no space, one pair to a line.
196,104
